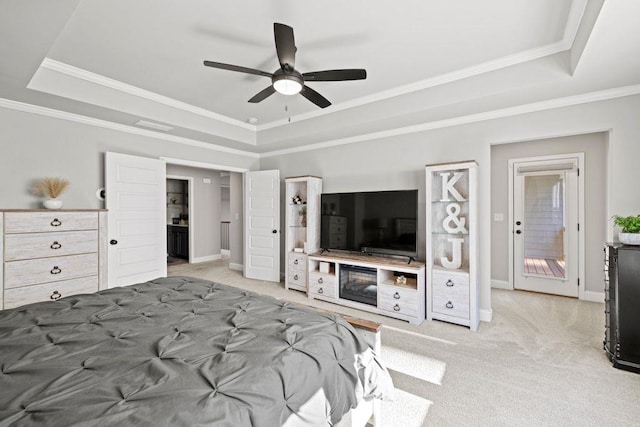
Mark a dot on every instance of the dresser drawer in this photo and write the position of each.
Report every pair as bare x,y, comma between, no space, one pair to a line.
42,245
49,291
457,306
298,278
34,222
407,307
297,261
450,284
322,289
33,271
398,293
337,220
322,278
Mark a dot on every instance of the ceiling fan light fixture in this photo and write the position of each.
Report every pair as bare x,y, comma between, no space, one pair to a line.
287,84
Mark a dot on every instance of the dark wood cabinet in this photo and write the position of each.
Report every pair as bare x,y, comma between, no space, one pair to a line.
178,241
622,299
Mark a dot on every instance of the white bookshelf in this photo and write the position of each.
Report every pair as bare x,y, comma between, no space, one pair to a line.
302,222
451,238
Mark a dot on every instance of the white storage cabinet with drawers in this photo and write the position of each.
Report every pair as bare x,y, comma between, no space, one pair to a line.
302,209
47,254
451,238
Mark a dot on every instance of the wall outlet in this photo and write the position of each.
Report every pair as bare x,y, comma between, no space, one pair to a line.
206,180
498,217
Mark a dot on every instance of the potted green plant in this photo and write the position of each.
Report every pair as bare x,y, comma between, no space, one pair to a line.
630,225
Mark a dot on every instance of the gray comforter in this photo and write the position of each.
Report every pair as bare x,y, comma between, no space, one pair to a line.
181,351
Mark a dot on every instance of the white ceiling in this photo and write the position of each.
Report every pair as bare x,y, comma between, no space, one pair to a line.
120,61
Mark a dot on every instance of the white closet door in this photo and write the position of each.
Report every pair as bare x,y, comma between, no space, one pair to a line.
262,225
135,197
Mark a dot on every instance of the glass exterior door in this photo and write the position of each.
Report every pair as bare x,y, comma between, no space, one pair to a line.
545,228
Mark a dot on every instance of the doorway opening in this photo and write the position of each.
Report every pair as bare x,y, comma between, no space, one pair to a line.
178,230
216,210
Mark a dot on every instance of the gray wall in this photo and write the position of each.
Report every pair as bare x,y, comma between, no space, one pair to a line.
35,146
398,162
596,147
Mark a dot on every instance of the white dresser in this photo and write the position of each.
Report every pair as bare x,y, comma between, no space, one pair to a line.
47,254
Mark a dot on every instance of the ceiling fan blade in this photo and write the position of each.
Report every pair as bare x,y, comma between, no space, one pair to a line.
285,45
237,68
314,97
335,75
263,94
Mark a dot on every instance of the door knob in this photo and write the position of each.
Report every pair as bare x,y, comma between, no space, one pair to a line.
113,241
518,232
518,223
274,231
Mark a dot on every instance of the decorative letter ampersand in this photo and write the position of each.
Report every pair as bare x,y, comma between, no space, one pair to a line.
453,212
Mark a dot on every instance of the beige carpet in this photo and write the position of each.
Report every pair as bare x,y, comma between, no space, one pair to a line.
539,362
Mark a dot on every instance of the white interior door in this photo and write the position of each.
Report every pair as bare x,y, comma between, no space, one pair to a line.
262,225
545,226
135,197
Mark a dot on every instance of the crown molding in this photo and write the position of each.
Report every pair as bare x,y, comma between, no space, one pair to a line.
602,95
568,101
72,117
572,26
79,73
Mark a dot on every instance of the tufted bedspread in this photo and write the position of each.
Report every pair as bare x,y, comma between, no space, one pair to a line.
181,351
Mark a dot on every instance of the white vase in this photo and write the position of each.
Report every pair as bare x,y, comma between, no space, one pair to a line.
629,238
52,203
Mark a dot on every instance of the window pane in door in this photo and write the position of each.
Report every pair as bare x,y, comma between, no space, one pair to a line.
544,225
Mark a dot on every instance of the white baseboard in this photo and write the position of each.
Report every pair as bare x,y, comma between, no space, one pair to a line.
486,315
234,266
500,284
588,295
206,258
225,252
594,296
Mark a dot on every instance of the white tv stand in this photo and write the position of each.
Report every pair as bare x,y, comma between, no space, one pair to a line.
392,287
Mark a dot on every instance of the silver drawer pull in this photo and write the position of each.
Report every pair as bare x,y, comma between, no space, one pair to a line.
396,296
55,295
295,277
320,280
56,270
295,262
396,307
56,222
449,283
55,245
320,291
449,305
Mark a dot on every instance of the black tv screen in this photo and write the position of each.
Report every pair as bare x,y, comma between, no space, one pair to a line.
383,222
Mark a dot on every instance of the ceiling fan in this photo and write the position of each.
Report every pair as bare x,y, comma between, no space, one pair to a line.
287,80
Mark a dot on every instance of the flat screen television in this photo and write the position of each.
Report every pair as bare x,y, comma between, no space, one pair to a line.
375,222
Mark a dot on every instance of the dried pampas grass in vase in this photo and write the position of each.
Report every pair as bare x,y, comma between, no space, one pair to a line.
51,188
